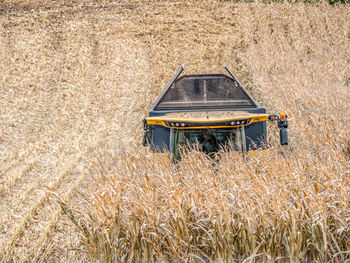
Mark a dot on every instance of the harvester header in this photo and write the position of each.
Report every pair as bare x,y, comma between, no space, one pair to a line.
210,110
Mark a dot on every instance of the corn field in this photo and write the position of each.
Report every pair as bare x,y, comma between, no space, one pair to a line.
78,77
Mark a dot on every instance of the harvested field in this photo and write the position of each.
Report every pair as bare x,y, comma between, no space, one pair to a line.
77,79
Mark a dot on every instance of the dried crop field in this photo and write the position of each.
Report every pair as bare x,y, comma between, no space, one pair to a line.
76,79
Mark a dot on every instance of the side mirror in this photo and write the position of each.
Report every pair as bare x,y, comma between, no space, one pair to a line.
284,136
282,123
145,139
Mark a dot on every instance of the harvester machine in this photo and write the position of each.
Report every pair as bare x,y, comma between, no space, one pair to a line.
208,111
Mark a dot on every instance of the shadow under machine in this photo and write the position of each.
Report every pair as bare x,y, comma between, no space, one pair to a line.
208,112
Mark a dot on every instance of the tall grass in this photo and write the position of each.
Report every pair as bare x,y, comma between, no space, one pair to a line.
264,208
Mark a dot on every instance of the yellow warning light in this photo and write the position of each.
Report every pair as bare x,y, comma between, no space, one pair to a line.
282,116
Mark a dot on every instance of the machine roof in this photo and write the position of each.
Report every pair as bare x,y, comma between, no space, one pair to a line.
209,91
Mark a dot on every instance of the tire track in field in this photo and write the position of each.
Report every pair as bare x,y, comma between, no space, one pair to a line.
26,215
51,239
19,230
45,239
27,161
105,115
46,92
15,201
60,181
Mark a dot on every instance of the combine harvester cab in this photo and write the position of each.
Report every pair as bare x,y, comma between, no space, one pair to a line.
208,111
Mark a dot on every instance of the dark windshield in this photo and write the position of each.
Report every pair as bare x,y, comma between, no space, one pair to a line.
208,141
204,92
